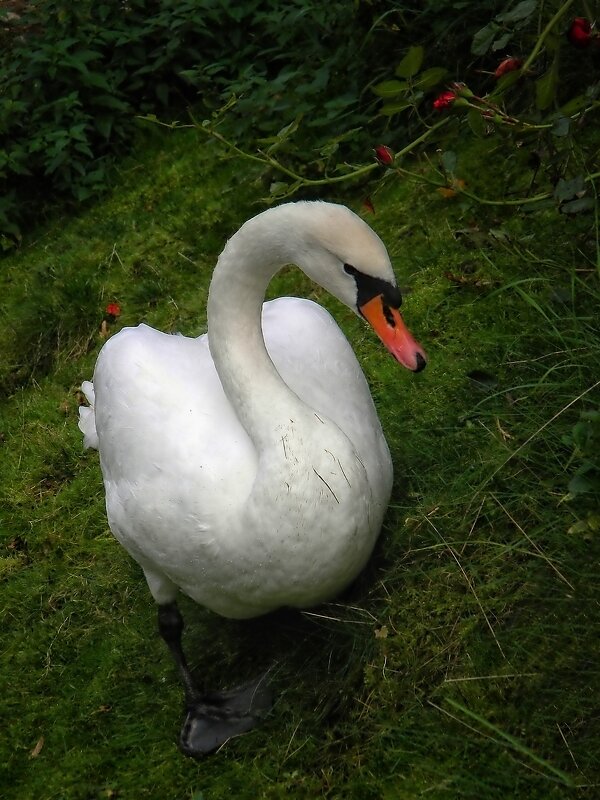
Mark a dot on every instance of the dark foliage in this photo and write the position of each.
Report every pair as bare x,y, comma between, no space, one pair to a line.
75,75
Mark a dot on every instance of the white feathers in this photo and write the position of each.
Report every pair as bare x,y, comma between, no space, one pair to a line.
87,420
250,473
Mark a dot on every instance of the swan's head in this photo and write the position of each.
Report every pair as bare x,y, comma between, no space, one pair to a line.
343,254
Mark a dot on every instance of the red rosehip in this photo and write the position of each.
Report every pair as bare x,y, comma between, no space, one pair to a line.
384,155
580,32
444,100
113,309
508,65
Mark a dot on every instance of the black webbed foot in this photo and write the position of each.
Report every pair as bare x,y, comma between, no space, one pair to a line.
216,717
211,718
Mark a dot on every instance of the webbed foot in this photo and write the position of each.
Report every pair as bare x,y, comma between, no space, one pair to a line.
212,718
217,717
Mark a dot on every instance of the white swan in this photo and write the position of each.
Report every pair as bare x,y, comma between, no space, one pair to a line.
247,467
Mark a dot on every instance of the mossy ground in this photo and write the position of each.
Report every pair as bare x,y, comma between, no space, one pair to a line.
463,663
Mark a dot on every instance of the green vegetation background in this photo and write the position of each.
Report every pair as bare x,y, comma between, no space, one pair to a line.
464,662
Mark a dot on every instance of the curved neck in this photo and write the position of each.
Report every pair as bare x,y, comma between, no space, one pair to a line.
260,397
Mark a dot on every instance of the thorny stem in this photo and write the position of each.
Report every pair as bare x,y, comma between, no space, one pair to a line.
421,138
268,160
542,37
484,200
503,117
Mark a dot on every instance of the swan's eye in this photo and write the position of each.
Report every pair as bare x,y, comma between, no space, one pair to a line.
350,270
393,296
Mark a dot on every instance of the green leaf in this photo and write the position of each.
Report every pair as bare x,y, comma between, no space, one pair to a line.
578,205
430,78
108,101
329,149
278,188
579,484
579,527
502,41
97,80
522,10
476,122
390,88
104,125
55,162
190,75
84,148
449,160
482,41
88,55
289,129
389,109
566,189
561,127
11,228
575,105
545,87
411,63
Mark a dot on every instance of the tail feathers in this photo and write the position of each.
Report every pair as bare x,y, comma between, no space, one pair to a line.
87,418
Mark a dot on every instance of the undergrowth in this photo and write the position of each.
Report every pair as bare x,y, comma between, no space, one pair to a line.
463,662
74,75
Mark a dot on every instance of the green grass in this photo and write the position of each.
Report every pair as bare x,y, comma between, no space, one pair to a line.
462,664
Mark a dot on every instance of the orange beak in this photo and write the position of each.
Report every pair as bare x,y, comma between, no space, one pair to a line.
389,326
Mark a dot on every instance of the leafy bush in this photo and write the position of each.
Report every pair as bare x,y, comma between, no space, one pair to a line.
75,75
533,104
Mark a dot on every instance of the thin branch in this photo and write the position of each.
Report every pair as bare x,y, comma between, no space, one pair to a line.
542,37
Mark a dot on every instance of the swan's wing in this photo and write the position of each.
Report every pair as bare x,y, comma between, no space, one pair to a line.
173,453
315,359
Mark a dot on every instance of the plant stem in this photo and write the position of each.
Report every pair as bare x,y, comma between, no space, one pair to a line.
267,160
483,200
521,201
540,42
419,139
300,179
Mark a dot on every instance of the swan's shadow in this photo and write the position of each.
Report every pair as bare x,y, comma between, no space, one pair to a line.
312,660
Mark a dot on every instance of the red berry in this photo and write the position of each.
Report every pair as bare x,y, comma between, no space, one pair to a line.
580,33
113,309
384,155
508,65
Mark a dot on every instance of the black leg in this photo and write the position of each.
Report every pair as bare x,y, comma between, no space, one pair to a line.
170,626
215,717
